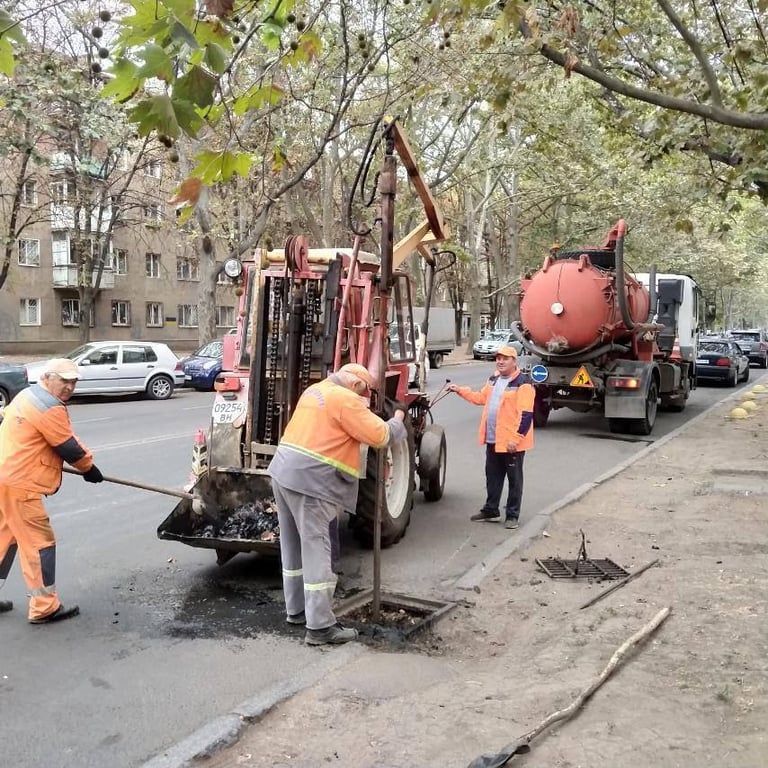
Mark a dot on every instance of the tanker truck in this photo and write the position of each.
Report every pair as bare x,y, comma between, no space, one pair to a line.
597,338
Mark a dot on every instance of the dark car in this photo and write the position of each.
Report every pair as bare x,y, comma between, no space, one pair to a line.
13,378
754,341
722,360
203,366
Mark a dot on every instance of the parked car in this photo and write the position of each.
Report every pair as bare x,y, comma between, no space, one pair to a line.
755,342
13,378
486,348
203,366
721,360
115,367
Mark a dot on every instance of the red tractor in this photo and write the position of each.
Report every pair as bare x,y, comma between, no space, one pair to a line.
304,313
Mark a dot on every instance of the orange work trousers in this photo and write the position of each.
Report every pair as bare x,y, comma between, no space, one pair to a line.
24,526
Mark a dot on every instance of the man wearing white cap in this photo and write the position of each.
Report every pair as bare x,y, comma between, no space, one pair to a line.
36,438
315,473
506,430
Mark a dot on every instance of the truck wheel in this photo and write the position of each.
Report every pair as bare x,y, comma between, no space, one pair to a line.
645,426
400,471
433,458
436,359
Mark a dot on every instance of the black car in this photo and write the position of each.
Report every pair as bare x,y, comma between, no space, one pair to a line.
13,378
721,360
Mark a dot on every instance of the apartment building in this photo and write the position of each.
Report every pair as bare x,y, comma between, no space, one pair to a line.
149,285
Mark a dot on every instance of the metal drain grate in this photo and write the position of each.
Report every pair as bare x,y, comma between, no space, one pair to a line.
582,568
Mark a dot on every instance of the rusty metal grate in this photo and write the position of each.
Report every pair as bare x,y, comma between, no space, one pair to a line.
582,568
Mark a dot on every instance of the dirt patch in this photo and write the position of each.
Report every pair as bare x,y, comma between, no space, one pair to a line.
695,694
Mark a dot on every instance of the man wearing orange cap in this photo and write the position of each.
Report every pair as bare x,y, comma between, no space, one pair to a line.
506,430
35,440
315,473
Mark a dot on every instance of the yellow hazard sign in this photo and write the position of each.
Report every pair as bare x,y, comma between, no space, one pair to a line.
582,378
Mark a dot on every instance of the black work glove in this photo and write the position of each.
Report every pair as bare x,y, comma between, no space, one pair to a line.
93,475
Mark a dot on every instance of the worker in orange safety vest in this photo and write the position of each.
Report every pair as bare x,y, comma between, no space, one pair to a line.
315,473
506,430
36,438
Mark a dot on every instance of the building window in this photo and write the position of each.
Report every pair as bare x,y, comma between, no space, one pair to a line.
121,313
152,214
120,261
152,265
60,249
154,168
70,313
29,253
225,317
29,311
29,192
155,315
187,316
187,268
60,191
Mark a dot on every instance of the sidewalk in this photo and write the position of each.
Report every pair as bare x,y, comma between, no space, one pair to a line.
519,647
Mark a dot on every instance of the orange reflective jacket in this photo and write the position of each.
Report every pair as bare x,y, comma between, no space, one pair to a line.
514,419
36,438
330,423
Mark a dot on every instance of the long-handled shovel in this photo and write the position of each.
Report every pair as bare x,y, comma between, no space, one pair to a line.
198,505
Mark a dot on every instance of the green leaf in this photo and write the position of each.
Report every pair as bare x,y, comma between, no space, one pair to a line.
7,59
10,28
156,113
258,98
180,7
213,167
157,63
197,87
215,58
187,116
213,31
124,82
181,35
270,35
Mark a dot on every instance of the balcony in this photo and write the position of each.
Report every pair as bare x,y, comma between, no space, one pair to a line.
65,276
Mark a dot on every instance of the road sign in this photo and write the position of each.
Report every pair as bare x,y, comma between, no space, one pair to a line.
582,379
539,373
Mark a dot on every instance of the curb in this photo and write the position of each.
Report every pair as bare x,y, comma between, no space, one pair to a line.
472,579
225,730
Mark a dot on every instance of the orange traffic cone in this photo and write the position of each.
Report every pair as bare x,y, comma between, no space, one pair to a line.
675,355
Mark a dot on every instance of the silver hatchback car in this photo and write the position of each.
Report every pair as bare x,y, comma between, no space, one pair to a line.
116,367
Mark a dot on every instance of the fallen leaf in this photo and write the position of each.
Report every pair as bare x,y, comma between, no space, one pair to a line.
545,534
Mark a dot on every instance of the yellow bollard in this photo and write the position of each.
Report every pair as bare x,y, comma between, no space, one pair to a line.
738,413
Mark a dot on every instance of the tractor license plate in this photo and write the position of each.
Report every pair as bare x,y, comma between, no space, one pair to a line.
226,413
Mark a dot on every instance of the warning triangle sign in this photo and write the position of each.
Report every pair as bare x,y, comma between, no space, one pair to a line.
582,378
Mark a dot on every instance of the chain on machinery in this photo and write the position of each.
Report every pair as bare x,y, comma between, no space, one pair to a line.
312,309
273,349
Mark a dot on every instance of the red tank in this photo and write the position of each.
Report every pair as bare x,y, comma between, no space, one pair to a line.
570,304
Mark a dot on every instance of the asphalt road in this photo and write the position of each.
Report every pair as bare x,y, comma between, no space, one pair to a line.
167,640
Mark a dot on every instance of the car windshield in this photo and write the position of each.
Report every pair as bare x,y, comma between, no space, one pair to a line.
211,349
714,346
80,351
499,335
746,336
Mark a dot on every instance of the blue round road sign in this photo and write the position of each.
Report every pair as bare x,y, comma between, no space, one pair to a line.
539,373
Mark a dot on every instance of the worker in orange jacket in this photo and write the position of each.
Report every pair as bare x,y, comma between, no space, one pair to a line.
506,430
35,440
315,473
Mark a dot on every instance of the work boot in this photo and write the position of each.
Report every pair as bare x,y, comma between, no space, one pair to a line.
59,614
296,618
511,523
334,635
485,515
5,606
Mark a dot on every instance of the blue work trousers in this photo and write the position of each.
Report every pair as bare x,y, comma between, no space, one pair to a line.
499,466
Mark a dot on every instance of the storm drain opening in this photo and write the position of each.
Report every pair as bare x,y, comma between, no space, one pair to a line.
401,618
583,567
605,569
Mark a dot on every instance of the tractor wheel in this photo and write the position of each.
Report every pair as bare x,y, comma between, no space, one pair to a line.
433,459
399,473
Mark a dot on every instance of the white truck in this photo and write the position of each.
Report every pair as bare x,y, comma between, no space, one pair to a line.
441,339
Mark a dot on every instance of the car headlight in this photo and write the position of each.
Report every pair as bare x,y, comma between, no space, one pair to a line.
233,268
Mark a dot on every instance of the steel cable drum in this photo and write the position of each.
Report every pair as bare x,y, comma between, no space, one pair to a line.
570,304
